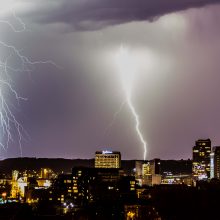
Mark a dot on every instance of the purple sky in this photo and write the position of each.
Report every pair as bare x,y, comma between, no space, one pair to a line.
69,109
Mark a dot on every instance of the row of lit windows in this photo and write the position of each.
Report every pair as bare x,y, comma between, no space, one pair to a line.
67,181
107,155
107,159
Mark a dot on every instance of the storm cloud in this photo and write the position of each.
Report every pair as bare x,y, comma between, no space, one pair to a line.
97,14
69,110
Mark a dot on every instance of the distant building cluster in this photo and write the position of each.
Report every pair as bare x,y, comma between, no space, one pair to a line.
106,189
206,161
109,184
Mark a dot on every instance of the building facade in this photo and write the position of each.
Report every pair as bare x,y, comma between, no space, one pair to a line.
85,186
155,166
215,163
107,159
201,159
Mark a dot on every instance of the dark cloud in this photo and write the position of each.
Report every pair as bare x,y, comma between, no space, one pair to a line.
96,14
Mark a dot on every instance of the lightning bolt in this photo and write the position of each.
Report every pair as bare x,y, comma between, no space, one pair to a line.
128,67
10,128
137,123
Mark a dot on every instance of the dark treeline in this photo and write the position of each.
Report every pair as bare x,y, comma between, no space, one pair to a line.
60,165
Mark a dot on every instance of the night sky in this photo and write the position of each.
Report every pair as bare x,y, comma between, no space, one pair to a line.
70,107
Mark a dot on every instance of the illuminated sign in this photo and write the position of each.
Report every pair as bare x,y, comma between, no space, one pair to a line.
106,152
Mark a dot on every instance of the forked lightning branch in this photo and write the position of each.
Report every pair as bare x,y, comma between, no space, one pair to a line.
11,129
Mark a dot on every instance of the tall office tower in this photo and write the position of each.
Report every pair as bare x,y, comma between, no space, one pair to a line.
146,169
155,171
138,168
155,166
212,174
107,159
146,175
201,159
215,162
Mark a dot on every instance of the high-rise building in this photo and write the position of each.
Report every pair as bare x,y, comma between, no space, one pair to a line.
151,173
138,168
155,166
212,175
107,159
215,162
146,169
146,174
201,159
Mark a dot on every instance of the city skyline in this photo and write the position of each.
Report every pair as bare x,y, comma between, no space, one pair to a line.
72,108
